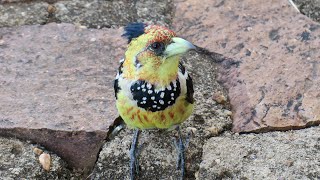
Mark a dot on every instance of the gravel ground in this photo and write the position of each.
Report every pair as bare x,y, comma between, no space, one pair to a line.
92,14
19,160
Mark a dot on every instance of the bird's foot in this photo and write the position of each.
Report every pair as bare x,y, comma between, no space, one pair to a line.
181,148
134,163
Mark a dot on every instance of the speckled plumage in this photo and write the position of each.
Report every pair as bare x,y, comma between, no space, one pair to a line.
152,87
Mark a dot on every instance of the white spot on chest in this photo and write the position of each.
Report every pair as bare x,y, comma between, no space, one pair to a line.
161,102
162,95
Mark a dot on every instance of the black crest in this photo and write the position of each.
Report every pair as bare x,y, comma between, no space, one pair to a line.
133,30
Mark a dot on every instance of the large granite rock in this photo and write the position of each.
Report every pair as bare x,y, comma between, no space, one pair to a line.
274,155
273,80
57,87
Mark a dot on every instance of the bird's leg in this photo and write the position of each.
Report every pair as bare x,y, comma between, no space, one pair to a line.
181,148
134,164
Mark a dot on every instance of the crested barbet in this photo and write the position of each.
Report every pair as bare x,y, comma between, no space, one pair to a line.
152,88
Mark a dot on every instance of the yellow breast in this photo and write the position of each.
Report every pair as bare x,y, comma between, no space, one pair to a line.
136,117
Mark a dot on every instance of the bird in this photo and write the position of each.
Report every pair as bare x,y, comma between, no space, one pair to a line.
153,89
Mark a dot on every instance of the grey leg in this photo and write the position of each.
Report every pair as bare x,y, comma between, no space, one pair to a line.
134,164
181,148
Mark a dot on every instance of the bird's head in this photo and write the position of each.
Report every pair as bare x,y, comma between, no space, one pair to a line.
153,53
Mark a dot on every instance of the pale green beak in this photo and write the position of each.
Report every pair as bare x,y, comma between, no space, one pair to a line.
178,46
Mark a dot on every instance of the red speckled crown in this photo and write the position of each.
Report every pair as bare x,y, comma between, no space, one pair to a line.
160,33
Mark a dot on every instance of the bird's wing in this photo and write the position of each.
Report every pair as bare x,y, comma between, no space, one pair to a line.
116,81
189,84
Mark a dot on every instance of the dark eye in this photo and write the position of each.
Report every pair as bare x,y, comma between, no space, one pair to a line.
157,47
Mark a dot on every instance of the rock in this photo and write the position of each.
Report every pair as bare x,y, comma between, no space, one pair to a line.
49,72
227,112
51,9
25,1
310,8
271,72
93,14
219,98
57,88
45,161
274,155
213,131
18,161
24,13
152,11
191,130
37,151
90,14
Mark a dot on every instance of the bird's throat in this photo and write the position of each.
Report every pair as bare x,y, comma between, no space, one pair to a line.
163,74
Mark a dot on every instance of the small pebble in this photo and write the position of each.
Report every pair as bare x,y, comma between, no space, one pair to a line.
219,97
217,161
213,131
196,174
193,130
37,151
227,112
45,161
289,163
51,9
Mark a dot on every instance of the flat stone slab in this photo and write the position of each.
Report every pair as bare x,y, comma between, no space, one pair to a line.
273,155
56,87
273,74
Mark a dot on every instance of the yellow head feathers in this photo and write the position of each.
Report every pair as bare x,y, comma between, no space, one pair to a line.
153,53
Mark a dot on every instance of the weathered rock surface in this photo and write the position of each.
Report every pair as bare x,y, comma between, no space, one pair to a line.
273,82
93,14
309,8
56,90
274,155
17,161
158,154
23,13
57,87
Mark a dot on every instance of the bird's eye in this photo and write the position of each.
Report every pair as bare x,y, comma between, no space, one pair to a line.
157,47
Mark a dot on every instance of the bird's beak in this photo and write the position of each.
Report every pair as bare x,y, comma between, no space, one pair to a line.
178,46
